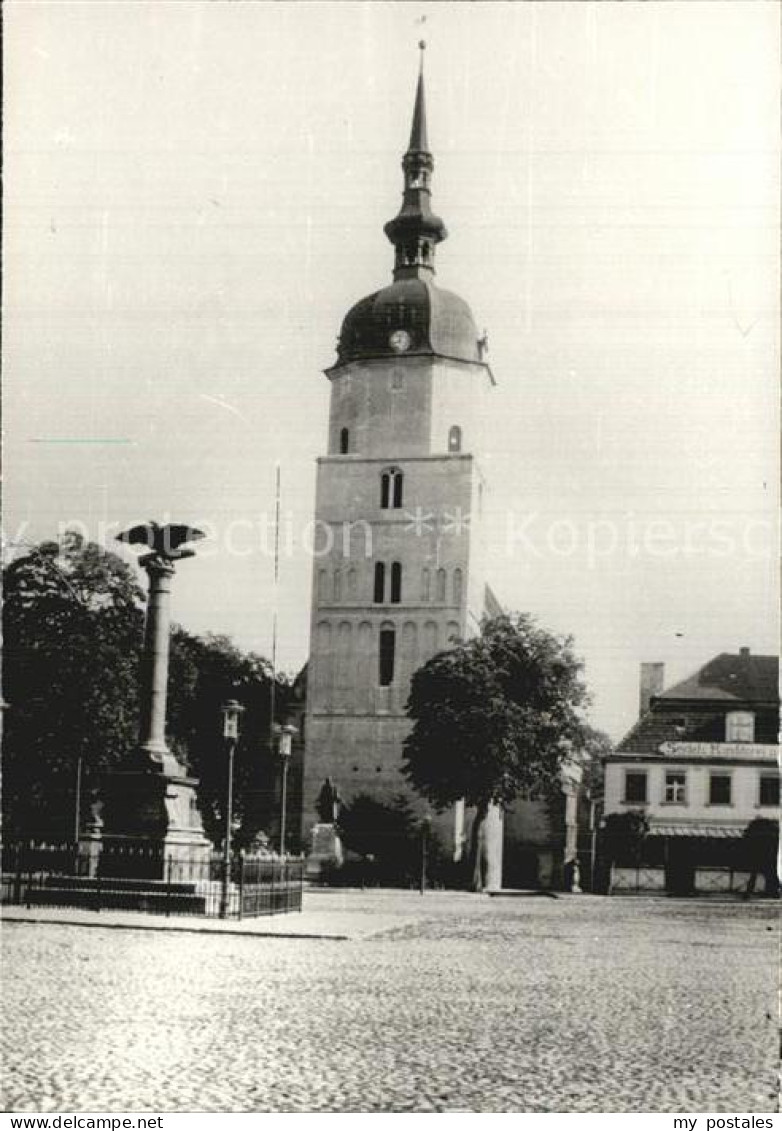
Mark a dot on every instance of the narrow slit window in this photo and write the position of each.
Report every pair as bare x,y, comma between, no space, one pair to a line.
386,656
344,441
380,583
455,439
396,582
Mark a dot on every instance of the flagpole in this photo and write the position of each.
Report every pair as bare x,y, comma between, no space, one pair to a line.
273,688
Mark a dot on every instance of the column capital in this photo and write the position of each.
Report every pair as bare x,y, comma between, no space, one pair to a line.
157,565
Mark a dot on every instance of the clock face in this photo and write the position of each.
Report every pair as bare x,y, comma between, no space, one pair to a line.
399,341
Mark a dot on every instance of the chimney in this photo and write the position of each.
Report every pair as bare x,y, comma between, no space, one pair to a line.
744,653
652,679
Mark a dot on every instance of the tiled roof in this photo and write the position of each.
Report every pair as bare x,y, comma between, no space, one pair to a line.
743,678
694,710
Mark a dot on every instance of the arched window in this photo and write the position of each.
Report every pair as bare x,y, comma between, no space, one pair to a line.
455,439
396,582
380,583
386,655
337,585
323,578
440,585
344,441
457,587
391,483
351,582
426,594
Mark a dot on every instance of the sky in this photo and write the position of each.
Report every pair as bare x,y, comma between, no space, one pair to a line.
194,197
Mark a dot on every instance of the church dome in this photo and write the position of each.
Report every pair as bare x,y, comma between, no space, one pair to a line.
432,321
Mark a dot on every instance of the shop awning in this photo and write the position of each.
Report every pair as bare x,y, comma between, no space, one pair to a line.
717,832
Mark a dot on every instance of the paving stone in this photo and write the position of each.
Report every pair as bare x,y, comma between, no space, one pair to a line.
468,1004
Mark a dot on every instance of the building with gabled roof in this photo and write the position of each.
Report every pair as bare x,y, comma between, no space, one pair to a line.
702,762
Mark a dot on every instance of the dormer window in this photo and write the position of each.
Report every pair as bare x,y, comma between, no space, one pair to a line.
740,726
391,484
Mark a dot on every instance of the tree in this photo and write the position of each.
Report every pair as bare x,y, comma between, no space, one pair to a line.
493,718
73,633
624,835
204,671
73,624
596,745
760,845
386,836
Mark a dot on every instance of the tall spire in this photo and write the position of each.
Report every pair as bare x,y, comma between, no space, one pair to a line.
419,142
416,231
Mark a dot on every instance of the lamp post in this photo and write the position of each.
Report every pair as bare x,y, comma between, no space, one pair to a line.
285,745
426,825
231,713
77,804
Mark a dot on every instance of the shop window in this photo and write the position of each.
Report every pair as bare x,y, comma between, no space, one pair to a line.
720,789
740,726
635,787
675,787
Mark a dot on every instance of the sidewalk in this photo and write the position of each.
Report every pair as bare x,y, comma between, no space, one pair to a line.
327,914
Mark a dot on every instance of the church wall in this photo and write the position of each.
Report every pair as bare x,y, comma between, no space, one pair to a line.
458,391
385,405
356,728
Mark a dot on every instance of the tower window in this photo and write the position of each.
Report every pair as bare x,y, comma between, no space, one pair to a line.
396,582
386,656
344,441
440,585
380,583
455,439
457,587
425,585
337,585
391,483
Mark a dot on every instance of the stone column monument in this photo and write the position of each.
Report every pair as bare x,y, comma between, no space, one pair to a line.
150,812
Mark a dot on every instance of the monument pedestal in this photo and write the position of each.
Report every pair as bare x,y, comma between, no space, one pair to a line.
325,852
151,821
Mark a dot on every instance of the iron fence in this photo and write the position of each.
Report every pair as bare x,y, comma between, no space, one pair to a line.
124,877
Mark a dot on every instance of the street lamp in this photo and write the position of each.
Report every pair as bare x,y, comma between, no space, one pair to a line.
284,745
231,714
426,828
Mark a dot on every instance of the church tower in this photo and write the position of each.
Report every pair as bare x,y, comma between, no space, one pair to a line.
398,570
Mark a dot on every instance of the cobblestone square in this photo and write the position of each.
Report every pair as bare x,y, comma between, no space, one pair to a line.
460,1003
